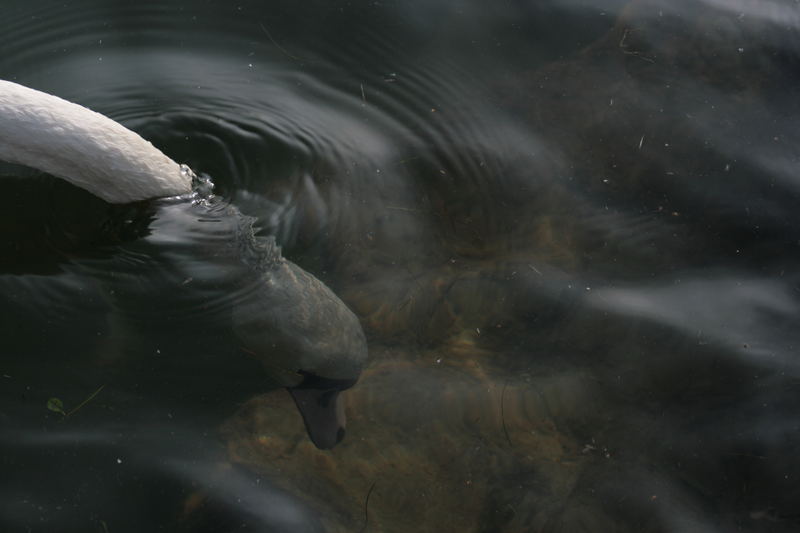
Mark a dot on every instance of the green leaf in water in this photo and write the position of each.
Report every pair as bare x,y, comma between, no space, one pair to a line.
56,405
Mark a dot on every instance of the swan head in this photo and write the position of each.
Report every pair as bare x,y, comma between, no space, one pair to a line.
307,340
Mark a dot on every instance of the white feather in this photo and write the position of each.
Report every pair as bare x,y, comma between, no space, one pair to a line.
83,147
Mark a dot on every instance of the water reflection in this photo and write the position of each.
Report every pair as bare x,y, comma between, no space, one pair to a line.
568,230
126,479
743,315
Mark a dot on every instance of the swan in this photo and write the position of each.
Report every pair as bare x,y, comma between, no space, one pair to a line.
305,337
83,147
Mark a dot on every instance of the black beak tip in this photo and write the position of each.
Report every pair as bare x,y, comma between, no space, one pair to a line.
323,414
327,441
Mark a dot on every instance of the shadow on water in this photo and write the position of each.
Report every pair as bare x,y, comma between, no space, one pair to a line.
569,232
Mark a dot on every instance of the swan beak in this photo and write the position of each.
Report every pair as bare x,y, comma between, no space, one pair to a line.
323,414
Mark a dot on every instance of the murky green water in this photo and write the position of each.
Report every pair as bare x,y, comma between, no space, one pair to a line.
569,230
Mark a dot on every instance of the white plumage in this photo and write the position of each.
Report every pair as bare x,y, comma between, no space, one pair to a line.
83,147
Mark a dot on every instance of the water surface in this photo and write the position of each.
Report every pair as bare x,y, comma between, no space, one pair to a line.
568,228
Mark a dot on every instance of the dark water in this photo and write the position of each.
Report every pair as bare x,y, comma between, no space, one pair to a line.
569,229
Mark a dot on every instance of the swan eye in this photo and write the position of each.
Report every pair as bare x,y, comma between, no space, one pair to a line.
315,381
